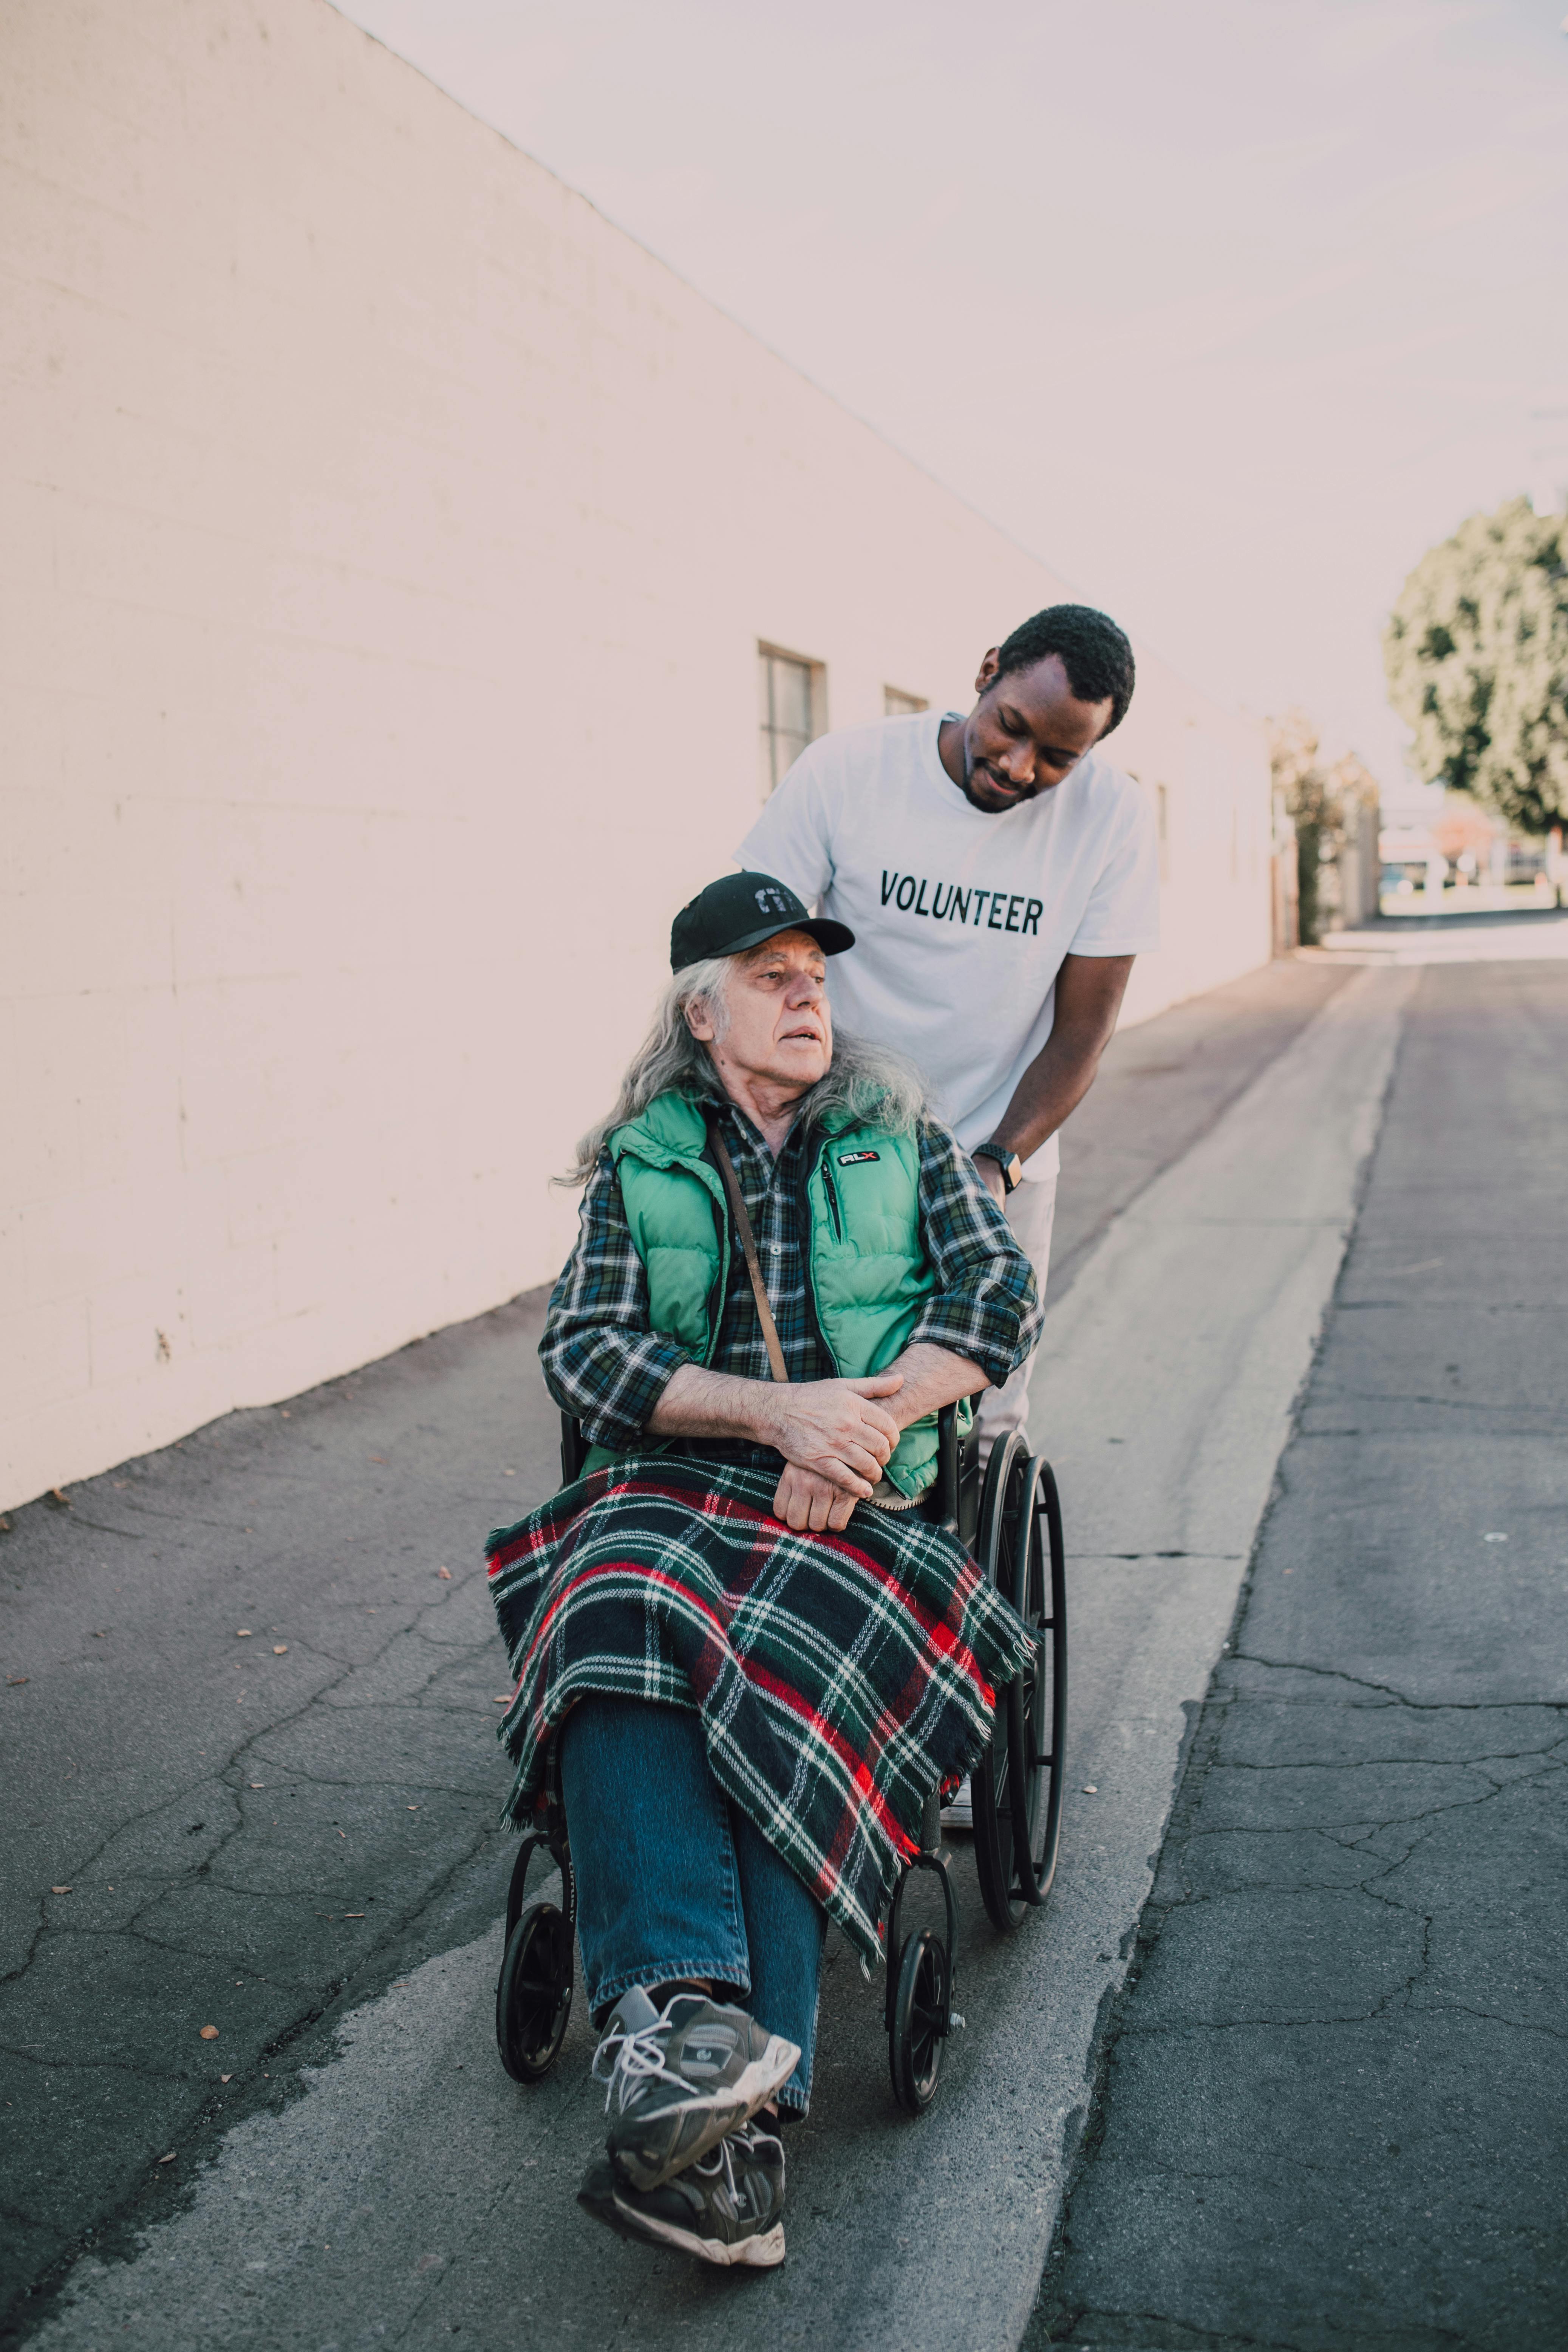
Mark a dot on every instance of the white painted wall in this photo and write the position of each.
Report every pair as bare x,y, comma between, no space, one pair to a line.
386,543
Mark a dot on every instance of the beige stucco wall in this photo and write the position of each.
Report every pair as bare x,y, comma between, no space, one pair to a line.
386,540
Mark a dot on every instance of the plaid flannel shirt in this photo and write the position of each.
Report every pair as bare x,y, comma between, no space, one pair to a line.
604,1364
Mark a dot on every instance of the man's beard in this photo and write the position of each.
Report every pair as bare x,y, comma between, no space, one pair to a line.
969,783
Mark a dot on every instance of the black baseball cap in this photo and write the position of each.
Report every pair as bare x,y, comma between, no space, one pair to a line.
742,911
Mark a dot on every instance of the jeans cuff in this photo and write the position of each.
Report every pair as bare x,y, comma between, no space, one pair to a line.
721,1973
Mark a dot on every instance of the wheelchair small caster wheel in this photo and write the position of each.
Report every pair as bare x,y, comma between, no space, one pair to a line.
534,1996
919,2019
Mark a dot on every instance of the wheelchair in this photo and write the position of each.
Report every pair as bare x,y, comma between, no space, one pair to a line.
1009,1517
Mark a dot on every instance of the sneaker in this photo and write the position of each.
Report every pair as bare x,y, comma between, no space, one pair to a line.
681,2079
958,1813
727,2208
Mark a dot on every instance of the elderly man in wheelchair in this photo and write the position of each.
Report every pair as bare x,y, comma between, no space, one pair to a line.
746,1658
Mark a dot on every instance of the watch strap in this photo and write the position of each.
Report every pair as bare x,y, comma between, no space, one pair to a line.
1005,1160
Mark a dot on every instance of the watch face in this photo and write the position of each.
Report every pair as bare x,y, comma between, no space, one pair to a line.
1010,1164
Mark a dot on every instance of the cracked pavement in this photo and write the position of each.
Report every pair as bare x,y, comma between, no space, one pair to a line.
1332,2110
277,1832
249,1822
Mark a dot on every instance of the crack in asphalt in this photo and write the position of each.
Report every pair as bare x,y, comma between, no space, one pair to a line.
100,1528
215,1779
1194,2339
1383,1690
1529,1422
1411,1763
254,1975
1393,1821
1490,2017
29,2057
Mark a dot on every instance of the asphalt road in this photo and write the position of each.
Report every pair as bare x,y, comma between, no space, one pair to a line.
288,1832
1332,2109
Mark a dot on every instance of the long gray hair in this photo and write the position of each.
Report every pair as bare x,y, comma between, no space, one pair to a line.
866,1081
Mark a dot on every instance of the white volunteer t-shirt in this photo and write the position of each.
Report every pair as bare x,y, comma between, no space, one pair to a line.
961,919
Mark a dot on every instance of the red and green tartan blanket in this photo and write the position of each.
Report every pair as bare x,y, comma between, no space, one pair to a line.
839,1677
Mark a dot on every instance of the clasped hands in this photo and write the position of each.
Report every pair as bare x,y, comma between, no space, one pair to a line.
835,1435
836,1439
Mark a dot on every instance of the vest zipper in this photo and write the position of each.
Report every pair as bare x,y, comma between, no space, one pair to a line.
832,1199
802,1225
719,1292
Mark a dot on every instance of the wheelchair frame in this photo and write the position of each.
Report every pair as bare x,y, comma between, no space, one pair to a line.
1010,1519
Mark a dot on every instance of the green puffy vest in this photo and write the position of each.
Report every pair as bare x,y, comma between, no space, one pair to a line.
866,1274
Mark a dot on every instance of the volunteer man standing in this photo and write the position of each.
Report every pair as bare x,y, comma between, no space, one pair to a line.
999,875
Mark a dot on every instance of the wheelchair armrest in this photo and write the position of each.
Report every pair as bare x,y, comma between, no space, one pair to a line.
947,1466
573,1449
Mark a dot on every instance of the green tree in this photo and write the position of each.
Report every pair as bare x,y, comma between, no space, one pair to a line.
1477,655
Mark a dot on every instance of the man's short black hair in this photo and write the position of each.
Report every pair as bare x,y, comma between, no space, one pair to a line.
1095,654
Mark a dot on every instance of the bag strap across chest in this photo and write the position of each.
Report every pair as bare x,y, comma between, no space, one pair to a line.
748,1245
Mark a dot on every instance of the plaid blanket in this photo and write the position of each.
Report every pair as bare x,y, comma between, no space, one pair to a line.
839,1677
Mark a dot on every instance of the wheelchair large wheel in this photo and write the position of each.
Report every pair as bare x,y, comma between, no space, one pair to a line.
533,1995
1017,1788
917,2026
1037,1700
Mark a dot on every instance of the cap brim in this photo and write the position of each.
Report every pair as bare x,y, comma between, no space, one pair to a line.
831,938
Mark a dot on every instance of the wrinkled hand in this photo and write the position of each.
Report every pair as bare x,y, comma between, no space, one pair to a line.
803,1499
836,1429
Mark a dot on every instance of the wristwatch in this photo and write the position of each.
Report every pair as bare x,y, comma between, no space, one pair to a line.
1008,1161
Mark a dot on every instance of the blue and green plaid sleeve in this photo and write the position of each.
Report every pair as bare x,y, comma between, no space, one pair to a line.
986,1305
599,1357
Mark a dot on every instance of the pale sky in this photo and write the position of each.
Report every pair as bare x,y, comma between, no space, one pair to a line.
1226,308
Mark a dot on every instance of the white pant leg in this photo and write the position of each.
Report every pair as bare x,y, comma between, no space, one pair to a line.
1031,1212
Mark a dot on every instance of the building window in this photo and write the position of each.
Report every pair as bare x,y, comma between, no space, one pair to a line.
897,704
794,709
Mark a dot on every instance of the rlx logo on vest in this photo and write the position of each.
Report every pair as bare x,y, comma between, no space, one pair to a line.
1010,910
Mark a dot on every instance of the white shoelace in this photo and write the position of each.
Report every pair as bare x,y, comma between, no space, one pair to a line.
720,2160
639,2058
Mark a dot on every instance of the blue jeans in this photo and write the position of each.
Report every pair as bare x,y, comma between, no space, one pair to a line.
674,1881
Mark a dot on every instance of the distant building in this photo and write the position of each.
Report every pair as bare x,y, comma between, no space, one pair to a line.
1468,851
